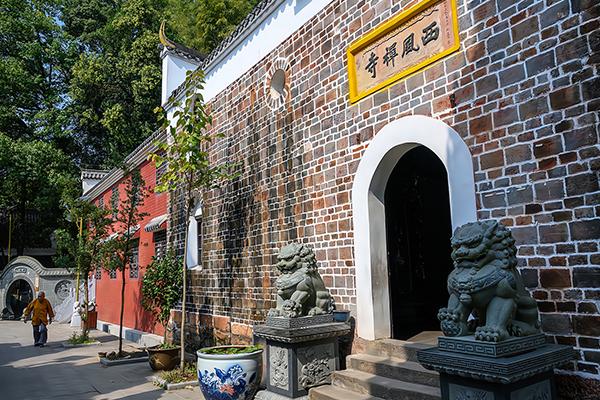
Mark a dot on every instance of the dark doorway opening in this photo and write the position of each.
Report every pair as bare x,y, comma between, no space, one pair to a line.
418,228
18,296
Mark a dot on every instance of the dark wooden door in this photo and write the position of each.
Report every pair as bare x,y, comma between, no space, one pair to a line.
418,229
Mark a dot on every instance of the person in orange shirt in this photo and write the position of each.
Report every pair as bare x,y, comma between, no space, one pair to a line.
42,316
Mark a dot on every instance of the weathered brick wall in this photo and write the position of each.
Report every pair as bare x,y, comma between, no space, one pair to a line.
523,92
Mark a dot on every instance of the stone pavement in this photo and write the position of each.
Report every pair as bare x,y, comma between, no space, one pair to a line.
52,372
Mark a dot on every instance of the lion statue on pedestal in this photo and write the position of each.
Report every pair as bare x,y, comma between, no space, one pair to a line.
485,282
300,288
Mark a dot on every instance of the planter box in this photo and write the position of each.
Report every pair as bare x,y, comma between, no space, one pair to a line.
68,345
110,363
173,386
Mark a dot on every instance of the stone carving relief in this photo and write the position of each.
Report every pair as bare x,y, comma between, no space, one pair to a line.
486,283
300,288
278,360
62,289
318,370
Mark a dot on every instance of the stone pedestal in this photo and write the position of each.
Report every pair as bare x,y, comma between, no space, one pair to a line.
514,369
301,353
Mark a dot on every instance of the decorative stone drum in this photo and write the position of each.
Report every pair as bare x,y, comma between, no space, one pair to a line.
229,376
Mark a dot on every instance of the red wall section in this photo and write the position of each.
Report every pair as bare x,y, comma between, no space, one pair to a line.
108,291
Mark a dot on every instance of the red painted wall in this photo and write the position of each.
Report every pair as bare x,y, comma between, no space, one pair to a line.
108,291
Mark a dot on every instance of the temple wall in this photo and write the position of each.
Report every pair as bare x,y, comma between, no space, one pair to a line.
522,92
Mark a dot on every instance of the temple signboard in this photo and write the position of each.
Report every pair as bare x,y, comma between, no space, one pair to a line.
402,45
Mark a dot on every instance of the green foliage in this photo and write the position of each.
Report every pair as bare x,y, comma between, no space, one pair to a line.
231,350
35,63
34,177
185,374
82,254
203,24
82,338
186,156
161,286
115,83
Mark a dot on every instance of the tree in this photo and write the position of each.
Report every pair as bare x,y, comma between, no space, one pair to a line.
115,82
161,287
203,24
80,249
186,156
118,250
35,62
34,177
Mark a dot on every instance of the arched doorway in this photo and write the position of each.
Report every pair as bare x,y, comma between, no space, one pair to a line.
18,296
394,141
418,230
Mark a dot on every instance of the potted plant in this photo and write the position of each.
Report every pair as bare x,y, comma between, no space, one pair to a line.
229,372
161,288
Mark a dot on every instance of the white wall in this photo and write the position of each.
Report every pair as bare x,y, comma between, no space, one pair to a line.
276,25
174,69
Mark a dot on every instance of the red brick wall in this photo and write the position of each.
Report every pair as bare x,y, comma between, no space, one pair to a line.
108,291
523,92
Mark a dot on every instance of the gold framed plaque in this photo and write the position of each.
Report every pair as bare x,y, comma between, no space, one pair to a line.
402,45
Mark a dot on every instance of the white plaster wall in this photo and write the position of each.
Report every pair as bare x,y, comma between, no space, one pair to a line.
376,165
276,25
174,70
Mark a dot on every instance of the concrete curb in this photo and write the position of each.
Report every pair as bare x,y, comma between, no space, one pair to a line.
111,363
67,345
173,386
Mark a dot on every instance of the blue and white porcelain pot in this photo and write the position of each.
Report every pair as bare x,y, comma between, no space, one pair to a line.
229,376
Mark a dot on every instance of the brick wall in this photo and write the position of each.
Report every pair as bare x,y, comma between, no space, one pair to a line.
523,92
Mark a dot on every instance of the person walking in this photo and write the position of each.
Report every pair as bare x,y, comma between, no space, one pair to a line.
42,316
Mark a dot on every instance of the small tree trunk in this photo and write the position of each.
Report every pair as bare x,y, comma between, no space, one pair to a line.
122,309
87,302
184,291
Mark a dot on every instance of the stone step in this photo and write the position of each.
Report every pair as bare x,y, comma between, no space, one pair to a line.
393,368
400,349
379,386
336,393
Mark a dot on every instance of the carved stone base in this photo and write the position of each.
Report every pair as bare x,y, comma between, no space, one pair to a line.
509,347
299,358
266,395
518,377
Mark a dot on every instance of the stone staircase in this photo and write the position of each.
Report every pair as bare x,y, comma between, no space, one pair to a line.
388,371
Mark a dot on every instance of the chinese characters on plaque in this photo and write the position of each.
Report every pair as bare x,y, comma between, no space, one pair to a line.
420,38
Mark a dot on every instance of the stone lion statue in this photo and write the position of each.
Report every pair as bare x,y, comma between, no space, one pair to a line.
486,283
300,288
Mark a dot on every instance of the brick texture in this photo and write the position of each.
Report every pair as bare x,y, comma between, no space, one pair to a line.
522,91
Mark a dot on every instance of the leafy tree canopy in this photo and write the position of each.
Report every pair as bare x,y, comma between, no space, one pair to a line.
203,24
35,63
34,178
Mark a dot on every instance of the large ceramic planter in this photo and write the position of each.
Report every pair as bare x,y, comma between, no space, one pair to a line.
229,376
163,359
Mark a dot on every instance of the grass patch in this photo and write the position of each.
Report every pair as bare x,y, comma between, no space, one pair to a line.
80,339
177,375
232,350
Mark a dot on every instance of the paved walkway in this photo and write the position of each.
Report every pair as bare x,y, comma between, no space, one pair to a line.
53,372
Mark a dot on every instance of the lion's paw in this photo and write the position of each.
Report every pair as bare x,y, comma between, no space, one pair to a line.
450,322
291,309
490,334
273,312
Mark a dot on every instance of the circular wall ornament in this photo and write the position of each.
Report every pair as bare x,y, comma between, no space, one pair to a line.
62,289
277,84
